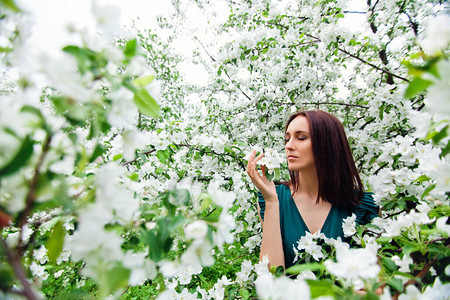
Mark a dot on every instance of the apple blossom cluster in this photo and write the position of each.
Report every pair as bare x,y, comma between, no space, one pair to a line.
105,193
269,287
308,247
272,160
354,266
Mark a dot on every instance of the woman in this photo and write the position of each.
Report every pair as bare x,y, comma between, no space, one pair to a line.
324,189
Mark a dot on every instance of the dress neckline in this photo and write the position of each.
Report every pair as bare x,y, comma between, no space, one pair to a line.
291,198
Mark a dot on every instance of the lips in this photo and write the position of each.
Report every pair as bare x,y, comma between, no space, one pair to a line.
291,157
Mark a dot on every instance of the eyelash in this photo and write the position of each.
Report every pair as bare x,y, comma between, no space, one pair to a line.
300,139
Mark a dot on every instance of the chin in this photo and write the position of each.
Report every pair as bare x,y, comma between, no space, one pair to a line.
294,168
299,168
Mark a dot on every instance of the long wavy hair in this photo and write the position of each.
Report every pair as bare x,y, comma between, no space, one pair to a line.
339,181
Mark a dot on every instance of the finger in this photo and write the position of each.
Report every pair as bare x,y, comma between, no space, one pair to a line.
263,169
251,158
253,172
259,157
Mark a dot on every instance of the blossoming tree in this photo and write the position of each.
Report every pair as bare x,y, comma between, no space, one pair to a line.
120,178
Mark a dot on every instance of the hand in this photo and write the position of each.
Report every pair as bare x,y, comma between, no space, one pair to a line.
266,187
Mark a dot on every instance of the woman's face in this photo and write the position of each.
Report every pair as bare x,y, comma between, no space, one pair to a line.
298,145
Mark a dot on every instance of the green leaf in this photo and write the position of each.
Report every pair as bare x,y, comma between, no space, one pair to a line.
163,155
55,242
445,150
10,4
409,248
279,271
422,178
146,103
320,288
143,81
245,294
297,269
204,201
130,48
83,56
75,294
117,278
20,159
384,240
427,190
268,175
389,264
134,176
33,110
154,247
416,86
439,249
117,156
175,223
277,174
438,136
98,151
214,215
6,275
396,283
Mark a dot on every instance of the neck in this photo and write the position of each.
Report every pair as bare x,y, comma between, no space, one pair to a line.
308,184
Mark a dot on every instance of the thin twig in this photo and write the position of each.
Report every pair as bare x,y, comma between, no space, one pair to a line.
419,276
31,196
336,103
201,44
372,65
243,255
210,212
360,59
145,153
327,103
20,249
14,260
354,12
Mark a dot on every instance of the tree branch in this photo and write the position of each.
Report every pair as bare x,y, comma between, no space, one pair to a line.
372,65
354,12
14,260
420,275
328,103
191,147
31,196
204,49
145,153
381,54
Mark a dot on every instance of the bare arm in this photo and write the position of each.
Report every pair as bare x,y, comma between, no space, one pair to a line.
271,244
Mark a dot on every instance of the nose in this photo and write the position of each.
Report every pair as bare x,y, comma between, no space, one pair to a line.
288,145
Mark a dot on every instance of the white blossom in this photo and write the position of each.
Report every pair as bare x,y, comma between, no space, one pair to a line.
41,255
403,263
349,225
441,224
38,271
196,230
244,273
436,35
354,265
268,287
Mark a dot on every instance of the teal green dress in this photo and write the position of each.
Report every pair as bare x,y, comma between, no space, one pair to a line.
293,227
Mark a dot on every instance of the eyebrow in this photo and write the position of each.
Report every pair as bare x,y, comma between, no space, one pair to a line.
297,132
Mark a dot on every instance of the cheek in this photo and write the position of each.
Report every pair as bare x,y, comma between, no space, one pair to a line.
308,149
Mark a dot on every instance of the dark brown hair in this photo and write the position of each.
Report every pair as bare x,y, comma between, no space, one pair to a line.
339,181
